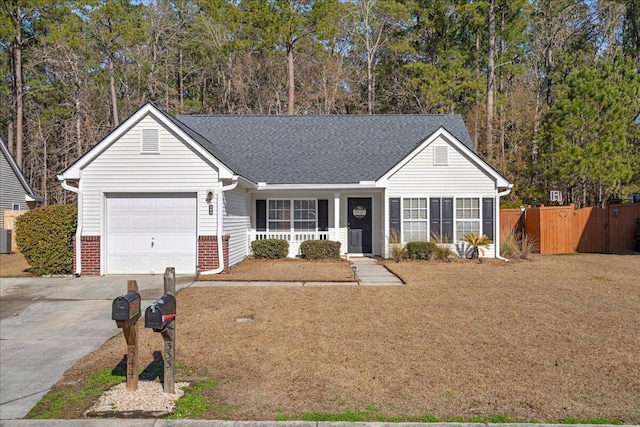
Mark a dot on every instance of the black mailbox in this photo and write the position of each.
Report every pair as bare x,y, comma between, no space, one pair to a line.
126,307
159,314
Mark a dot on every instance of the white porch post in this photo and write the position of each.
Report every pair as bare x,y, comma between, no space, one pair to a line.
336,215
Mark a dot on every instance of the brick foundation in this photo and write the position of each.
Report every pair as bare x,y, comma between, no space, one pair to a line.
208,253
90,248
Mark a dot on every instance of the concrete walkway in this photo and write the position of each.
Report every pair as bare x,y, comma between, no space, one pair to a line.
371,273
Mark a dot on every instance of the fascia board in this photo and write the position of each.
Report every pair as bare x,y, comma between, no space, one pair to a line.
319,186
73,172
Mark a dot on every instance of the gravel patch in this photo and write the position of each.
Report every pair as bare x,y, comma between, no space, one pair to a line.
150,397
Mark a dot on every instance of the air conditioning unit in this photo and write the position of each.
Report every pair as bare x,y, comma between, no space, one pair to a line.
5,241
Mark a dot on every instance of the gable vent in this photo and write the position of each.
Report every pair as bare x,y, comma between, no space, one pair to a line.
150,141
441,155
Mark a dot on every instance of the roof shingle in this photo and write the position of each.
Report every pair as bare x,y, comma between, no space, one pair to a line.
316,149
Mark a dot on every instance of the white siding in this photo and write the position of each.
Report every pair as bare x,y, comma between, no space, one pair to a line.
122,168
237,223
421,176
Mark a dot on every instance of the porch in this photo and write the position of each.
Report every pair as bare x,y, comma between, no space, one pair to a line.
295,238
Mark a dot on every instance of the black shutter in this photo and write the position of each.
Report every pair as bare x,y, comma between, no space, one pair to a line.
447,219
487,217
323,215
261,215
394,218
434,214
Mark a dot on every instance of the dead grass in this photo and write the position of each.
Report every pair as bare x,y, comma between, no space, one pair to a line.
14,265
546,339
286,270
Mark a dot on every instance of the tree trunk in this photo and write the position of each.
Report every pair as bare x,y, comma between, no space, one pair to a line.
291,87
114,99
180,82
491,71
17,52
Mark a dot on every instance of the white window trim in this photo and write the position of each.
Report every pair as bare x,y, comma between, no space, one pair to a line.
475,220
15,206
403,221
292,219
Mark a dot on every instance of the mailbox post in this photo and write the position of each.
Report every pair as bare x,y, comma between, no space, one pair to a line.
126,312
161,317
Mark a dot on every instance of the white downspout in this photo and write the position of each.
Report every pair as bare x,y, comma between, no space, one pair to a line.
222,189
497,242
76,190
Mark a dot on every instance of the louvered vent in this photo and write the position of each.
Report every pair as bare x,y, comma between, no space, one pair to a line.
150,141
441,155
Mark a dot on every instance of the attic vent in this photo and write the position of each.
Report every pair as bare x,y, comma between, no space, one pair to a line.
441,155
150,141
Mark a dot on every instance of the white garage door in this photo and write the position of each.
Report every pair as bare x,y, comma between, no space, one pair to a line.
147,233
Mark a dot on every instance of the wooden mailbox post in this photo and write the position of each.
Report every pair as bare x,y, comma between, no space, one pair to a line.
126,312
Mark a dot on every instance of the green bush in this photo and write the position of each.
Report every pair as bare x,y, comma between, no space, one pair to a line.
636,236
320,249
45,237
270,248
420,250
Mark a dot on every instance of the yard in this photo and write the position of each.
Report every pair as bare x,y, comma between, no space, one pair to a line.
548,339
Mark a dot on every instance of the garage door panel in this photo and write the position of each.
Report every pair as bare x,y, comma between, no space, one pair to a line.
134,222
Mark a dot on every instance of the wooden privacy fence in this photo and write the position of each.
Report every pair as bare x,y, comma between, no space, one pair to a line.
563,229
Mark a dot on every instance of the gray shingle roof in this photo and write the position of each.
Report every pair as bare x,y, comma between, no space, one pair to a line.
316,149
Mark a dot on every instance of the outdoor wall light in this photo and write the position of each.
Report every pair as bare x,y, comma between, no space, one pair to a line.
209,197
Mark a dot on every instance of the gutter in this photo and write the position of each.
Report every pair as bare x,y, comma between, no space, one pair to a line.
222,189
497,244
76,190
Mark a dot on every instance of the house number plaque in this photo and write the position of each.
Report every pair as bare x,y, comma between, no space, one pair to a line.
359,212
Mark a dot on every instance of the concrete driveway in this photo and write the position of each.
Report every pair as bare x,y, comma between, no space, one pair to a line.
47,324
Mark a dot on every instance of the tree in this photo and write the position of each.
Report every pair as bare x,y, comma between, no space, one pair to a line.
591,143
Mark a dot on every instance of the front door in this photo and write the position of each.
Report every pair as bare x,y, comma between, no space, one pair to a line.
359,225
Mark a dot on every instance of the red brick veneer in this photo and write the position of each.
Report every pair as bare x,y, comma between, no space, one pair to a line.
208,252
90,246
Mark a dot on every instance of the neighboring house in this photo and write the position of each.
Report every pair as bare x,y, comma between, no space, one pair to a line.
193,192
15,192
637,120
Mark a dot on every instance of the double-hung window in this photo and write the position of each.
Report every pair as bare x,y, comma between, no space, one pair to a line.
304,215
467,216
414,219
296,215
279,215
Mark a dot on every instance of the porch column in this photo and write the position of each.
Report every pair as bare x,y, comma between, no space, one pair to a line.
336,215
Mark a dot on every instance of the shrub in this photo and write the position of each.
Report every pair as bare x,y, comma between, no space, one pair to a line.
45,237
516,244
397,251
636,236
420,250
270,248
320,249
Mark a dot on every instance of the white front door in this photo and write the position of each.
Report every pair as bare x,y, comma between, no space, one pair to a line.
146,233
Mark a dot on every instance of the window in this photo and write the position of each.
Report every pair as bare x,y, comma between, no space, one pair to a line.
440,155
414,217
467,216
296,215
150,141
304,215
279,215
15,206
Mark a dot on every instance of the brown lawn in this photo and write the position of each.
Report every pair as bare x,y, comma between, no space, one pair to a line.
14,265
546,339
287,270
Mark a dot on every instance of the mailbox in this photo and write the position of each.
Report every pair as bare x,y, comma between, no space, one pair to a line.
126,307
159,314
